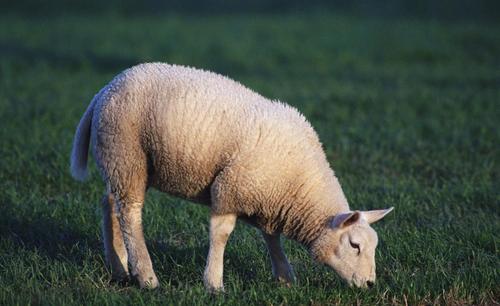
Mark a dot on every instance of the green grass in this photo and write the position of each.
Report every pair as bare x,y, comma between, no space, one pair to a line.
407,110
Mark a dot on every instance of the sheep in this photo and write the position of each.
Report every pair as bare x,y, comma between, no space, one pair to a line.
201,136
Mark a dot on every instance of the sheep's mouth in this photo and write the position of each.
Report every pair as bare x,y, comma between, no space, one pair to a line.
361,283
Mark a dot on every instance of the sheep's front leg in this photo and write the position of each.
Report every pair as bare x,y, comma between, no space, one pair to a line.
282,270
114,246
221,227
138,256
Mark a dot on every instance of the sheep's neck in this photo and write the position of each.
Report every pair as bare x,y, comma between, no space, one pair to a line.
314,208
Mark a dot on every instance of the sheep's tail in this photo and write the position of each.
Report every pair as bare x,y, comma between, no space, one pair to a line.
81,142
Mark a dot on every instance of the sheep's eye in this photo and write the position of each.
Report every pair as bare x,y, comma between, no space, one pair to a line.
355,246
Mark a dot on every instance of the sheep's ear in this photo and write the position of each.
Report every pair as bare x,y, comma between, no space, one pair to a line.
346,219
373,216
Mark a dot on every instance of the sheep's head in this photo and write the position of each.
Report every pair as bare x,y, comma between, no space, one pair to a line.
348,246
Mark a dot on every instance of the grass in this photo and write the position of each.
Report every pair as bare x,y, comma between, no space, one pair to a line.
407,111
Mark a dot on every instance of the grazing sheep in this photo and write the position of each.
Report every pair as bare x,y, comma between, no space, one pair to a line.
203,137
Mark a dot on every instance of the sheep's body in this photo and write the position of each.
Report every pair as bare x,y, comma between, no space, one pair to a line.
186,128
204,137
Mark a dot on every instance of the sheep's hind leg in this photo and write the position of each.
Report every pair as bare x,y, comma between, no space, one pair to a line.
130,198
114,246
282,270
138,256
221,227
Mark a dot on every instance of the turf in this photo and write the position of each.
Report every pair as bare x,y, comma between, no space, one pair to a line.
407,111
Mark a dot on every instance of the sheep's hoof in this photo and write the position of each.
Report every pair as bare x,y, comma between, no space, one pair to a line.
150,282
214,289
285,281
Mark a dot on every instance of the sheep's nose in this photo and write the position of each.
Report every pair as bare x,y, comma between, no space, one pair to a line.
370,284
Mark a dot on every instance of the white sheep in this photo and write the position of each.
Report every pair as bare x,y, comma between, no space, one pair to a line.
203,137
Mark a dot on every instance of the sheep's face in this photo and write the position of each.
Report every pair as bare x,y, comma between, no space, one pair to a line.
348,246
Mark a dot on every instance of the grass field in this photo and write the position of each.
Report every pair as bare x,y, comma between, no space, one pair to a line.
407,110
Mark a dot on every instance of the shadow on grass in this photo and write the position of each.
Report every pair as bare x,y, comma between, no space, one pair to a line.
60,241
48,237
185,265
